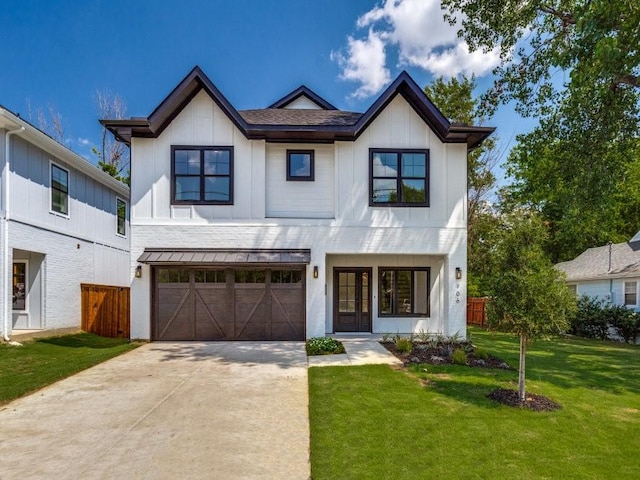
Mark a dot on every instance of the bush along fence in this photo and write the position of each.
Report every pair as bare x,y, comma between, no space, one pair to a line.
105,310
477,311
604,321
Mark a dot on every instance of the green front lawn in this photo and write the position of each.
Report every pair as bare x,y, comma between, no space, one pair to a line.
373,422
44,361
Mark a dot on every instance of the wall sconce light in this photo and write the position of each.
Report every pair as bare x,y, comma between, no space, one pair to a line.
458,273
315,271
139,271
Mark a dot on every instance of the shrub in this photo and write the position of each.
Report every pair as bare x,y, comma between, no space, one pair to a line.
625,322
459,357
590,320
324,346
403,345
481,354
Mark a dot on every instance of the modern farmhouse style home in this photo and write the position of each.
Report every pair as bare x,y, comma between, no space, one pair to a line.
63,222
296,220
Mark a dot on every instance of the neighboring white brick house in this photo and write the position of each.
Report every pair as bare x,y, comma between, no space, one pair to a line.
296,220
59,228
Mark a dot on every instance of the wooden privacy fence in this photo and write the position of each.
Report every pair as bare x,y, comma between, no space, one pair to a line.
105,310
477,311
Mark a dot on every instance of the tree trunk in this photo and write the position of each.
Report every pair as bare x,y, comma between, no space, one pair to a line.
523,351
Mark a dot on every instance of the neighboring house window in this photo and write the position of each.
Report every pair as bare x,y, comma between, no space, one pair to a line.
631,293
20,286
202,175
403,291
59,190
121,213
300,165
573,289
399,177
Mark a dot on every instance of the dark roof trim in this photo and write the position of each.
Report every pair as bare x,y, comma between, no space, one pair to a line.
222,257
303,91
196,80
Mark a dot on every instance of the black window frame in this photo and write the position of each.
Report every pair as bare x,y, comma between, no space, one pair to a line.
395,289
399,177
54,188
121,220
202,149
301,178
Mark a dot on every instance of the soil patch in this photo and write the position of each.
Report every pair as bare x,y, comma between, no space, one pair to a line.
442,354
533,402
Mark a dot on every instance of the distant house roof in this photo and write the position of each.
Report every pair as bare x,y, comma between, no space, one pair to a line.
620,260
279,124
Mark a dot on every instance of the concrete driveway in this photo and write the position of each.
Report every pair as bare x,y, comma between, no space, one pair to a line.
236,410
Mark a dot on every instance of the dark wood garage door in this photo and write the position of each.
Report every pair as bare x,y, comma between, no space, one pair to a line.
229,304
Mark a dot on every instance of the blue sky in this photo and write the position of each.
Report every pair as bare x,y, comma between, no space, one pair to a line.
59,53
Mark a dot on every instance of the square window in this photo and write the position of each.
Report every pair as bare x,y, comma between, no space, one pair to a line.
300,165
399,177
202,175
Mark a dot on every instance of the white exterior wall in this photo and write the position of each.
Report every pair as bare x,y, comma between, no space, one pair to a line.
61,251
68,262
610,290
355,233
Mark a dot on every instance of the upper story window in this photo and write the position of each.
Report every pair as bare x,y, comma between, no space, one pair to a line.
202,175
300,165
59,190
399,177
121,214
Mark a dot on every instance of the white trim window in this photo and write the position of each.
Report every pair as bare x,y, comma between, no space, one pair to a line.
20,282
59,190
121,217
630,294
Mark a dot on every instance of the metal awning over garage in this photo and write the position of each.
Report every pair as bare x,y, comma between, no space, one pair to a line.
235,257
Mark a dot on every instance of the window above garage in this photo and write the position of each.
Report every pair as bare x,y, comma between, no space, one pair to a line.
201,175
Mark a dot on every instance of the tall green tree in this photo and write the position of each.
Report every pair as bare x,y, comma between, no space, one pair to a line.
574,65
529,297
456,99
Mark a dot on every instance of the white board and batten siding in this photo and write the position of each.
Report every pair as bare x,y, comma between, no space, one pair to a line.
293,199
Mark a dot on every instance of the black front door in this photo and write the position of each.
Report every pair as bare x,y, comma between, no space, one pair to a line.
351,300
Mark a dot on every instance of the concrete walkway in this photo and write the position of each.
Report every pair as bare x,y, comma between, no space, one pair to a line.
167,411
360,351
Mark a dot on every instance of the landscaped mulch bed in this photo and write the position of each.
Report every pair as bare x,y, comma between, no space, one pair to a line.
533,402
438,355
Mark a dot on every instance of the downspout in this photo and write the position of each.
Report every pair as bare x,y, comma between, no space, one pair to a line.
6,172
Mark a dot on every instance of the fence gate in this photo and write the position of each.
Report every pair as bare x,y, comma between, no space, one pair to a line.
105,310
477,311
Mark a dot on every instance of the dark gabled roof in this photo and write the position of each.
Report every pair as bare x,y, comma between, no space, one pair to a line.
293,125
303,91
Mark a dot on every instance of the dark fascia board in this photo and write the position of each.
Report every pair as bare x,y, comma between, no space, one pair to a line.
404,85
196,80
300,92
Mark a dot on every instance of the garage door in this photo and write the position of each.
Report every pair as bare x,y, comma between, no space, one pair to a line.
229,304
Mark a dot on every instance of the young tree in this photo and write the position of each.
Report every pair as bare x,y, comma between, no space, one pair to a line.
113,156
529,296
456,100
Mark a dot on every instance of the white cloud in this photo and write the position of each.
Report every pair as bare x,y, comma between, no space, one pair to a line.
364,63
423,39
84,141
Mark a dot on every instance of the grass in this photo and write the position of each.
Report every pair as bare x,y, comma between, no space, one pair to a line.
373,422
44,361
